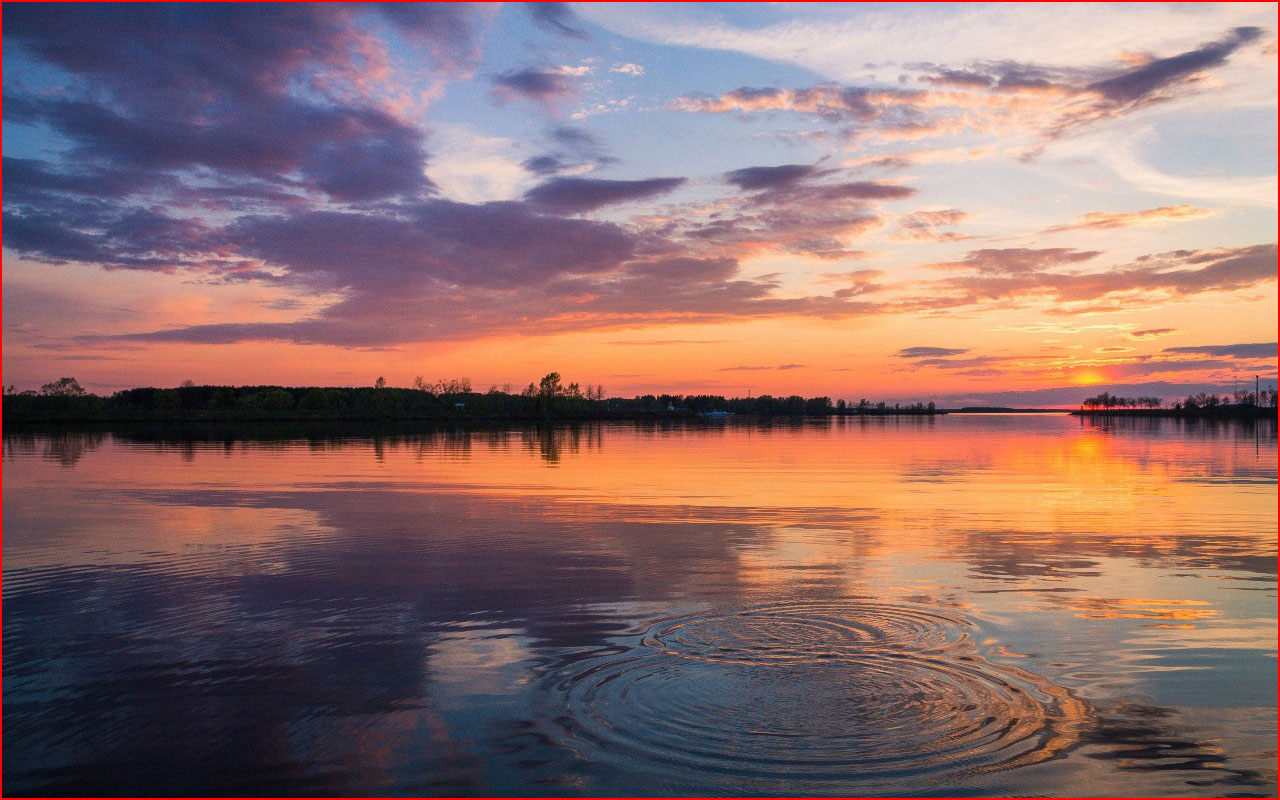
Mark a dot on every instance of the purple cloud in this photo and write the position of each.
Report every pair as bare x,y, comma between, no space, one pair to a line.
557,18
493,245
1143,81
753,178
1017,260
532,84
929,352
1019,273
184,87
1257,350
451,31
575,195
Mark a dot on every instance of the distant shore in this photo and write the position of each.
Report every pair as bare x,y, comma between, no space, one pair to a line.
64,402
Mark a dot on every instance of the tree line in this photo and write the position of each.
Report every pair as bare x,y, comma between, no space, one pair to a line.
1199,403
445,398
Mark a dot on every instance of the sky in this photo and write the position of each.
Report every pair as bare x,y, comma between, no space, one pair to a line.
1012,203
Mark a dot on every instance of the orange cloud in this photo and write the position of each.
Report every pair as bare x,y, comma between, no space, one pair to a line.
1101,220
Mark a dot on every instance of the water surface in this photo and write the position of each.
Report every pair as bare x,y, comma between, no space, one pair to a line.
966,605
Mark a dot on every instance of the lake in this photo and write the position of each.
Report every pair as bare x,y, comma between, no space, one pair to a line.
960,605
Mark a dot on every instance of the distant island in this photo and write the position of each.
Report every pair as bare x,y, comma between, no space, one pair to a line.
446,400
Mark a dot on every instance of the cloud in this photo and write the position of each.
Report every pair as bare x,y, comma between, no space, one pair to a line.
212,87
575,195
258,146
1137,84
634,70
547,87
887,109
759,178
436,272
996,98
1256,350
1015,260
787,211
957,363
1164,215
1156,81
1023,274
451,31
1154,333
922,226
929,352
665,342
861,281
760,369
557,18
577,72
578,152
457,244
817,230
886,39
906,158
575,138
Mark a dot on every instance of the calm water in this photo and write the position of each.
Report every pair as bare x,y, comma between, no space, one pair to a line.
1012,605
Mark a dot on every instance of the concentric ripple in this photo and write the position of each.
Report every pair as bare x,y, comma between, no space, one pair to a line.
853,692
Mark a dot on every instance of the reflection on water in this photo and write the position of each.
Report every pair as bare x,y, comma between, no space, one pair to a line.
969,605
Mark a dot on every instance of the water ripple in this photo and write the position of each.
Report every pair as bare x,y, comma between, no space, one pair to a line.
854,691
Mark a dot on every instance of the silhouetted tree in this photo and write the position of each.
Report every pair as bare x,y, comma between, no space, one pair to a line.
63,387
550,386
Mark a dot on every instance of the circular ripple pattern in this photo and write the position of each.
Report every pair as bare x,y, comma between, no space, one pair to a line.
850,692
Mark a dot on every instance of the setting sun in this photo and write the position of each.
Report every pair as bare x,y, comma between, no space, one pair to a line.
1088,377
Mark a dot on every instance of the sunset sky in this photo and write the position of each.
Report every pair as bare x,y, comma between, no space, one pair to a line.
975,203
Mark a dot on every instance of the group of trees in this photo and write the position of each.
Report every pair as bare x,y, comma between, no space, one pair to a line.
1266,398
551,387
1200,402
1109,401
443,385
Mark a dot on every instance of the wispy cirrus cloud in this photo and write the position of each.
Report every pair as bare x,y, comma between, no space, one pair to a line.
1101,220
994,98
557,18
1154,333
745,368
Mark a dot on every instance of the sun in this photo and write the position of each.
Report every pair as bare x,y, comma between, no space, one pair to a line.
1088,377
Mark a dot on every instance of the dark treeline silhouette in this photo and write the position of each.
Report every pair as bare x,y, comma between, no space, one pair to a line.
65,400
1241,404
